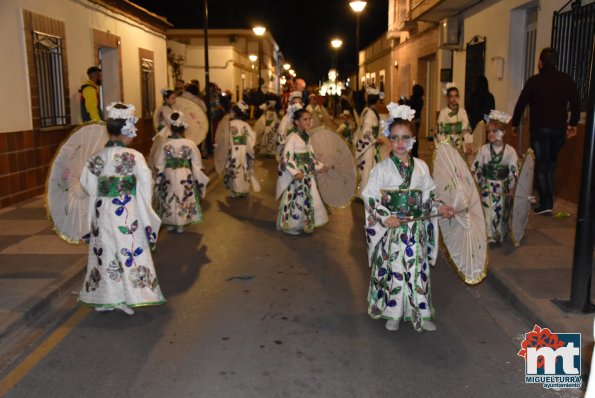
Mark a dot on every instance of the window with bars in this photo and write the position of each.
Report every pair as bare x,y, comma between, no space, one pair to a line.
49,68
147,87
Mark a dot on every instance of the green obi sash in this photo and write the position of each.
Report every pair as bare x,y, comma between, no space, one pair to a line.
112,186
239,140
303,159
177,163
495,171
448,128
403,203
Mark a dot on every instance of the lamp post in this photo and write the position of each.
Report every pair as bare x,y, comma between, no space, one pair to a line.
252,59
259,31
209,142
357,7
336,45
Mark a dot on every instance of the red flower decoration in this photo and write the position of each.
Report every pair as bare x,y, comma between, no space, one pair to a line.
539,338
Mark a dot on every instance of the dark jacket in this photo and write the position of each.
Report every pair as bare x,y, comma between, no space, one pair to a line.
548,94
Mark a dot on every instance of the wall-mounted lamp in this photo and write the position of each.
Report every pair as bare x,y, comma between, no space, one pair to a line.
498,67
396,64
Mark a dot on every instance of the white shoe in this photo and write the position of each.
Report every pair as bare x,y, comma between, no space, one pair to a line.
180,230
292,232
392,325
104,309
126,309
429,326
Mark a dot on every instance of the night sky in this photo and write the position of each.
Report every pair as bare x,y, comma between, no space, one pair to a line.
303,28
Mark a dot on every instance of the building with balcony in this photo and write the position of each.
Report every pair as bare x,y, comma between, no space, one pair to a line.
230,65
47,49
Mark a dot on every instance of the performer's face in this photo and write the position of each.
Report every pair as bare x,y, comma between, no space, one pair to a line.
171,100
305,122
453,98
495,133
400,138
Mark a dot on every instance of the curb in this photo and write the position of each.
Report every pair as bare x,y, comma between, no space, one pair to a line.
29,311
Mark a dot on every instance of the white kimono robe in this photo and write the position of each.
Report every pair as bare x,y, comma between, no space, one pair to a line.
455,129
301,207
496,173
400,257
181,182
285,125
123,231
239,172
270,125
367,147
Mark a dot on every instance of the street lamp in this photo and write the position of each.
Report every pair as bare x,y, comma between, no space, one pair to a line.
259,31
286,67
357,7
336,44
252,57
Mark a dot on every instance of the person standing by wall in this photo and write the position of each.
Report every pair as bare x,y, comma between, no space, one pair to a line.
481,101
90,106
416,102
548,95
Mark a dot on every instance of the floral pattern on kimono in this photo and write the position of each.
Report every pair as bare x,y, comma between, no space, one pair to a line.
285,126
301,207
400,257
367,147
454,127
267,144
123,230
181,182
345,130
239,169
496,174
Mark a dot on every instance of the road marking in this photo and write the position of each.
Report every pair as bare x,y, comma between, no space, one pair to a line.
33,359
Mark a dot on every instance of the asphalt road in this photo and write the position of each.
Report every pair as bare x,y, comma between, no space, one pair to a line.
256,313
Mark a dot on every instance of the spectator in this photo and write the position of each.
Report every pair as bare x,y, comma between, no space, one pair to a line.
480,102
90,106
416,102
548,94
179,87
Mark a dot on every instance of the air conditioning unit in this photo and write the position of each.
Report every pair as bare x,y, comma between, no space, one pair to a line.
450,34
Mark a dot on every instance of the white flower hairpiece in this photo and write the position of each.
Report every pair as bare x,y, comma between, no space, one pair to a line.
372,90
243,106
180,122
264,106
500,116
448,86
291,109
396,111
129,130
295,94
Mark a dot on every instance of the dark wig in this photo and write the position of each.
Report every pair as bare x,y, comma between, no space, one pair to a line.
167,93
176,129
299,113
448,91
114,126
401,122
373,99
238,113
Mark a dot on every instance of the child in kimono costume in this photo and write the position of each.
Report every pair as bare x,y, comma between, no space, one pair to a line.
346,128
123,226
295,103
239,169
400,252
181,182
453,123
367,142
496,171
301,208
161,121
271,124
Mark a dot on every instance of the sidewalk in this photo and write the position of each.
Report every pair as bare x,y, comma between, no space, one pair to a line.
36,267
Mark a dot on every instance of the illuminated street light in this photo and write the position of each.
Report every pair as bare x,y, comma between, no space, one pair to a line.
252,57
291,72
260,30
286,66
336,43
358,6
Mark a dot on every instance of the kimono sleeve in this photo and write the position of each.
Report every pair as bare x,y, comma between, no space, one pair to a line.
88,182
199,176
318,165
372,196
367,126
144,191
288,157
513,168
465,121
250,140
476,167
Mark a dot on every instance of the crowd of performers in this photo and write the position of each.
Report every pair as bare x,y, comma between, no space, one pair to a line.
131,199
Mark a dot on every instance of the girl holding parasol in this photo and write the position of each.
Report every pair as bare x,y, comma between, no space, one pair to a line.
496,171
123,226
400,252
301,208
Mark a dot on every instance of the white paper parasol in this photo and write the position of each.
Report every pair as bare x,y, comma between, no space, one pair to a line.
67,202
479,137
465,235
195,117
222,144
521,204
337,185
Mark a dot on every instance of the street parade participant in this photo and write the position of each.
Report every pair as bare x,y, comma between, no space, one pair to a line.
269,123
367,143
453,123
239,169
286,124
315,110
180,181
496,171
347,127
301,208
161,118
400,252
123,226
